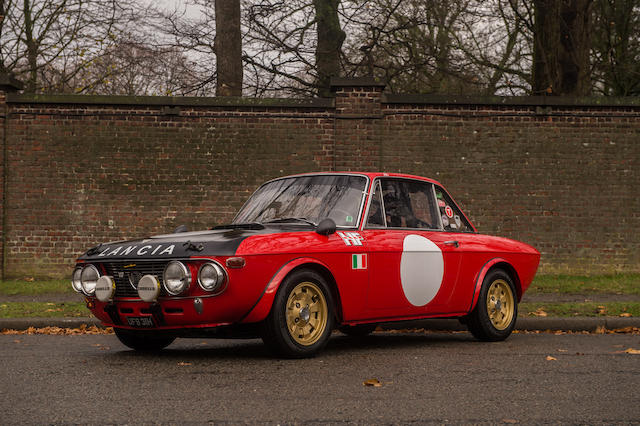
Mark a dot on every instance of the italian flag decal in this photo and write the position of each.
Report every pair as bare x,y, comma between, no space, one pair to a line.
359,261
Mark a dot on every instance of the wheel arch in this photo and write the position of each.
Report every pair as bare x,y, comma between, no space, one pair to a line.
263,306
325,273
491,265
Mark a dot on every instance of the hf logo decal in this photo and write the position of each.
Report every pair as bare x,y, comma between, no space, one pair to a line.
351,238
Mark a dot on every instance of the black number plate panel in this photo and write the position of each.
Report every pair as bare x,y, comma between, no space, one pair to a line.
140,322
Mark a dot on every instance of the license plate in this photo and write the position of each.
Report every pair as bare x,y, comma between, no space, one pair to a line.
143,322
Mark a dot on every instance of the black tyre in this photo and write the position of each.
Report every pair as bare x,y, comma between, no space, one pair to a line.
302,316
141,341
360,330
495,314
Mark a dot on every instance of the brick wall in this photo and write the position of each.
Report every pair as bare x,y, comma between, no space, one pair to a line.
559,174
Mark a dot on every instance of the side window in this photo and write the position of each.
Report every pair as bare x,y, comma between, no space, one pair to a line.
405,204
452,218
376,216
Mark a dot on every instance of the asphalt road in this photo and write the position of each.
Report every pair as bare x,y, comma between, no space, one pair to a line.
439,378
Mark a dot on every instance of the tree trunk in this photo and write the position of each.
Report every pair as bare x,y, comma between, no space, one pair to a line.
562,45
32,49
228,46
330,39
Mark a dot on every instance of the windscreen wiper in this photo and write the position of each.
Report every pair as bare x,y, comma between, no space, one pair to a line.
248,225
292,219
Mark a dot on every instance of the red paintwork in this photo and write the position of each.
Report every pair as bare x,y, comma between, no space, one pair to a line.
363,295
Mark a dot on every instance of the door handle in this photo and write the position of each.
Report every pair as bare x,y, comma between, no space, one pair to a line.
452,243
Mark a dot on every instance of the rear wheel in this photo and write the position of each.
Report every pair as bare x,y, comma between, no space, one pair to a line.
142,341
494,316
302,316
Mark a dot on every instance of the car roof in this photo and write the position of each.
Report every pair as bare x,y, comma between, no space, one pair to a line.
370,175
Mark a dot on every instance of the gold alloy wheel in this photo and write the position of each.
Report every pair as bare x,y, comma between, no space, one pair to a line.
307,313
500,304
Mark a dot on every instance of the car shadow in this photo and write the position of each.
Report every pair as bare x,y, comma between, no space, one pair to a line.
339,344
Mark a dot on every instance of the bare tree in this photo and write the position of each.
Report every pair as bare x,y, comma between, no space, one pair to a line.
496,39
616,47
39,36
330,39
280,45
132,67
228,48
410,44
562,45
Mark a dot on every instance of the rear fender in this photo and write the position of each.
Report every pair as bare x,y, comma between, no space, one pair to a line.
262,307
496,262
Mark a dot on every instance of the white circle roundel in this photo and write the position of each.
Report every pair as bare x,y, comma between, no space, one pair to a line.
421,269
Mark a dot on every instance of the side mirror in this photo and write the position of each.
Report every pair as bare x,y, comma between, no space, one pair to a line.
181,228
326,227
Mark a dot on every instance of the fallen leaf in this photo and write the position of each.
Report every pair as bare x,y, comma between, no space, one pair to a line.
633,351
539,313
602,310
626,314
550,358
184,363
372,382
600,330
29,279
562,350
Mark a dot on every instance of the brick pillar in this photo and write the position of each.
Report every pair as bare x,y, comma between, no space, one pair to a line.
358,115
8,85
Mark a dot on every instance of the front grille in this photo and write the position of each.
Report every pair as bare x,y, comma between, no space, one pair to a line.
124,273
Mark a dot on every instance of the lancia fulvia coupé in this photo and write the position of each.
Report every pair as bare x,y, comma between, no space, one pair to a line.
305,255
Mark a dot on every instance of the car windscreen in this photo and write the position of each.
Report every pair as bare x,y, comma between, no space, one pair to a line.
312,198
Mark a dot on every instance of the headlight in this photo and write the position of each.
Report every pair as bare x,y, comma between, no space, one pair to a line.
212,277
76,282
89,279
176,278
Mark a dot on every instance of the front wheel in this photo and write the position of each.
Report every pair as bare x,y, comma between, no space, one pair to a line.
494,316
141,341
302,316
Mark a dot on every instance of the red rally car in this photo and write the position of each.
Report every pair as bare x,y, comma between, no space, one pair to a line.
307,254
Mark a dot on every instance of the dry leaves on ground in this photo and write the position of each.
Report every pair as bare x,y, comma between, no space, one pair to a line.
550,358
538,313
372,382
83,329
632,351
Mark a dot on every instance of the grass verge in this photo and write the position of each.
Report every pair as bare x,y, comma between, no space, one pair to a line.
576,284
43,309
13,287
588,309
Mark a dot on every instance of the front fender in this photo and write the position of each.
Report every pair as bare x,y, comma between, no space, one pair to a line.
263,306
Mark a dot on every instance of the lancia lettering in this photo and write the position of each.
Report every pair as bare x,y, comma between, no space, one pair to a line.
157,250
